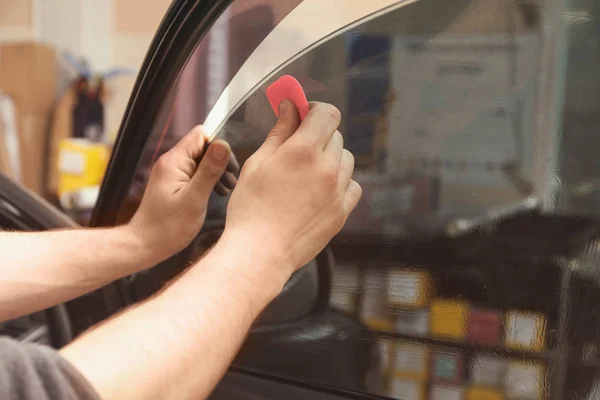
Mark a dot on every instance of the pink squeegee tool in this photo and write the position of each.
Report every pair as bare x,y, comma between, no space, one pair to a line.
287,88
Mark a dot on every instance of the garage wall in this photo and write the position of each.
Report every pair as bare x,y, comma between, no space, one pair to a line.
16,20
135,22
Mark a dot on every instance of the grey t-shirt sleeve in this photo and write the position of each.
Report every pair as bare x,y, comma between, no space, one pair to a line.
36,372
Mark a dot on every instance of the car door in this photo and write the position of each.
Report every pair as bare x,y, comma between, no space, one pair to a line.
469,269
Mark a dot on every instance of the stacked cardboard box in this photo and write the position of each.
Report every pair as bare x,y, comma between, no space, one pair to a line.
28,74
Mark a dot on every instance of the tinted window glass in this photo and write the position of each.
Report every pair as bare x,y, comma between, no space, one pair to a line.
469,269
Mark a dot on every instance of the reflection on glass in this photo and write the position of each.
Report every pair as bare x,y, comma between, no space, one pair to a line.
470,266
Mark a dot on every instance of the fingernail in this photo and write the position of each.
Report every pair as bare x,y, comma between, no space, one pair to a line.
219,152
283,106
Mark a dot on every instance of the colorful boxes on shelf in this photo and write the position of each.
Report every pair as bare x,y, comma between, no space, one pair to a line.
407,389
373,312
373,309
483,393
411,322
484,327
448,319
524,330
447,366
447,392
345,287
411,360
386,355
408,287
524,380
487,371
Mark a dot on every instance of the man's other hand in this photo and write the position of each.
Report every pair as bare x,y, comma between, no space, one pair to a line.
174,205
295,193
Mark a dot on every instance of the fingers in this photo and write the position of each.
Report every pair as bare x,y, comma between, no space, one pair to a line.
346,169
352,196
286,125
211,169
192,145
334,148
351,189
320,124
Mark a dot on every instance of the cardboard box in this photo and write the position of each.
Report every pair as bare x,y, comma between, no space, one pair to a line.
386,349
488,371
447,366
484,327
345,287
374,310
32,131
411,322
343,300
482,393
448,319
447,392
407,389
525,380
525,330
408,287
411,360
28,72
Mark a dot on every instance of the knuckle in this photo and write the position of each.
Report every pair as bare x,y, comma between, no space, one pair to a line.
330,178
210,172
348,158
162,163
340,214
198,130
250,165
339,137
332,112
306,150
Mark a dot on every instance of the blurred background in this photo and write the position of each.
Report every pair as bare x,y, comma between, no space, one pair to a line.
67,68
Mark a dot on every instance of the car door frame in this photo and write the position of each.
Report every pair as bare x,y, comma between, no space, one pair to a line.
183,27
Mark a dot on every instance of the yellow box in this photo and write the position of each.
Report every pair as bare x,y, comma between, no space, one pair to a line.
448,319
481,393
524,330
408,287
81,164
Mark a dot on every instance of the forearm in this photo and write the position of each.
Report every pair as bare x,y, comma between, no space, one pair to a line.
42,269
179,343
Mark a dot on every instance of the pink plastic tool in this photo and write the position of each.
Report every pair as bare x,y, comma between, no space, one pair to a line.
287,88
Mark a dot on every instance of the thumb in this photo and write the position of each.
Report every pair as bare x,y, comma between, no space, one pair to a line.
287,124
211,168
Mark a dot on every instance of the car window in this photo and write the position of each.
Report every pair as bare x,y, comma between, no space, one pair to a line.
469,268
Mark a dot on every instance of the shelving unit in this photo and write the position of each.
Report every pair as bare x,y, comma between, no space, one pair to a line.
496,350
375,251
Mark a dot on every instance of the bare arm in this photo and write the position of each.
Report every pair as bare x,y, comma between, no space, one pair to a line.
47,268
179,343
39,270
293,196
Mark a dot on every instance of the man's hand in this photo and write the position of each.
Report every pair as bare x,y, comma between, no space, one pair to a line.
293,195
174,205
296,192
